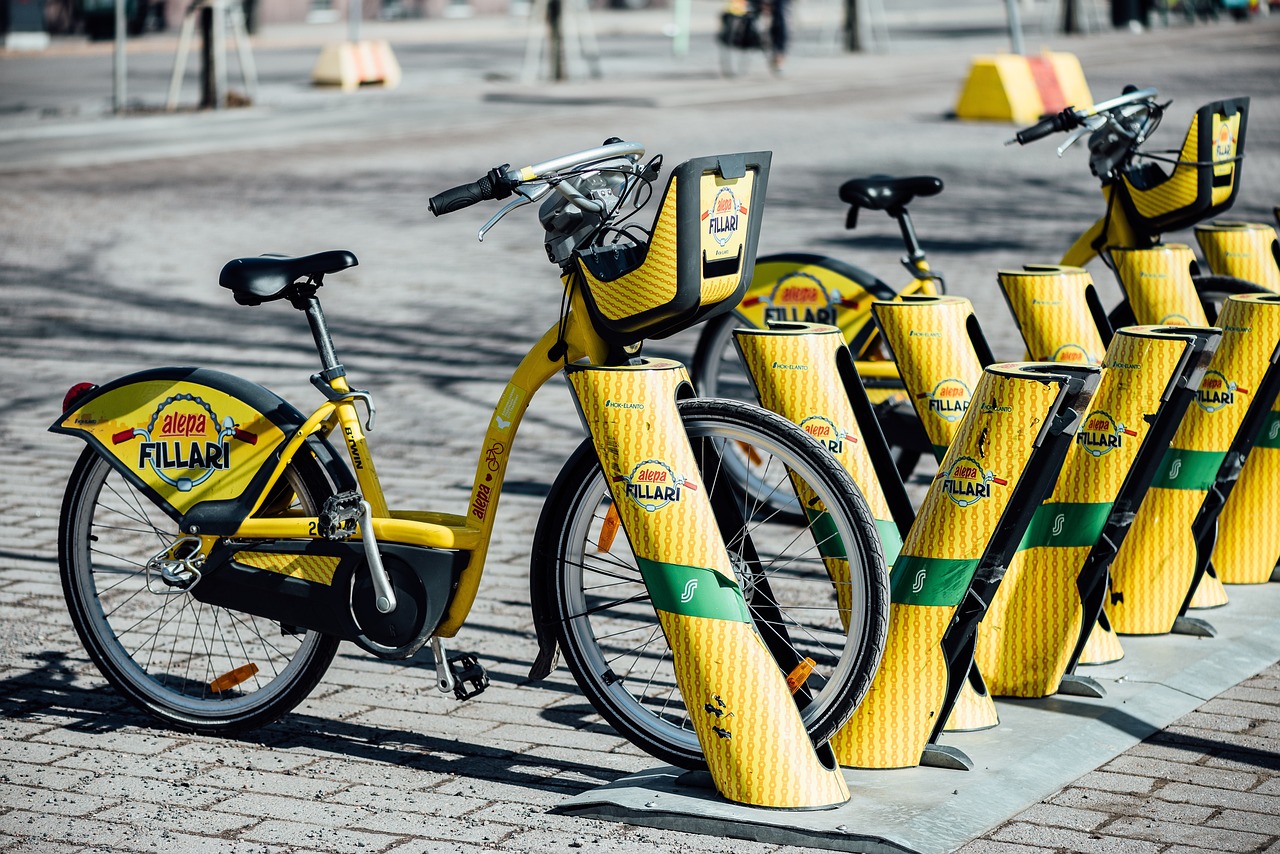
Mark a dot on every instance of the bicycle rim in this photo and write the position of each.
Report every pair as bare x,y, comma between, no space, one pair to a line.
608,628
193,665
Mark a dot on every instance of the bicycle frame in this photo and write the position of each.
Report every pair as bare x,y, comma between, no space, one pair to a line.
470,531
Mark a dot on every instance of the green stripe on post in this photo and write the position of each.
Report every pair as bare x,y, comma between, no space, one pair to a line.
1066,525
890,539
1188,469
1270,435
930,580
693,591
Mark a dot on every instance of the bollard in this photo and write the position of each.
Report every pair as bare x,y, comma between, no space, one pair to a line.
1157,282
1243,250
767,760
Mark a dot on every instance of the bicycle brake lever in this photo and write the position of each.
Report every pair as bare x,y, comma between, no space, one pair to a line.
528,194
1072,140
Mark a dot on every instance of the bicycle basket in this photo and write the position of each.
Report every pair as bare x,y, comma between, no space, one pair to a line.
699,258
1204,180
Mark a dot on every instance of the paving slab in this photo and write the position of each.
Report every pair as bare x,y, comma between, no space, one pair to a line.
1039,747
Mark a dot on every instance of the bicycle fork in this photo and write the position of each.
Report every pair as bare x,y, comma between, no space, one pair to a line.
742,710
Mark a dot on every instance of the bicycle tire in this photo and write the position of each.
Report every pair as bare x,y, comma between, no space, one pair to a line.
599,606
161,650
1212,291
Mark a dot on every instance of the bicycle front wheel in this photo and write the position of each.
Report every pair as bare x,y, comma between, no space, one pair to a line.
196,667
803,604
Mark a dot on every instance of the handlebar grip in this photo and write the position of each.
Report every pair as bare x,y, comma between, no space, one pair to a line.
1063,121
491,186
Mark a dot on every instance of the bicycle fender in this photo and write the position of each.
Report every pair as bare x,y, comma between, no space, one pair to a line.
200,444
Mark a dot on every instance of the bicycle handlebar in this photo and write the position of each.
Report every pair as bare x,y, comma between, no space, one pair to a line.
502,180
1073,117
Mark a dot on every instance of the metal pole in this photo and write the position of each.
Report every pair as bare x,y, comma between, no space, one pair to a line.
119,93
353,20
682,17
1015,27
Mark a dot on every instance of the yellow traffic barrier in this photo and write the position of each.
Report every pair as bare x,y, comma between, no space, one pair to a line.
352,64
764,758
1020,89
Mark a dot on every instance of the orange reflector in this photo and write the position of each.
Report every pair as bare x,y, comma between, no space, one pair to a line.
227,681
797,677
752,454
608,529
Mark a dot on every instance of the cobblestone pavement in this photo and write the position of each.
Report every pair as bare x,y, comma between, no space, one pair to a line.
107,270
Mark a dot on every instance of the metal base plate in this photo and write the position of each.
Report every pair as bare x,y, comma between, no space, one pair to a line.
1040,746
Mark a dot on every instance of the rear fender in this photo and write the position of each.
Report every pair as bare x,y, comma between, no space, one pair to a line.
201,444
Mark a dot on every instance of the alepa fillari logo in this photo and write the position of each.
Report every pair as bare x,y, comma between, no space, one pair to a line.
653,485
1217,392
184,442
827,433
1102,434
949,399
722,218
801,297
967,482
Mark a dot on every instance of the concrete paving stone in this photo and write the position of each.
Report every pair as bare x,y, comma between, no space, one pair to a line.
1190,751
1223,798
993,846
375,774
1267,824
18,729
34,753
1252,693
1056,815
431,826
249,756
1169,833
127,740
51,801
1115,803
290,809
108,761
1243,741
1112,782
435,846
1143,766
1247,760
14,845
289,784
557,735
65,829
1270,787
44,776
1267,729
179,816
1245,709
499,790
143,790
417,801
333,840
1072,840
626,760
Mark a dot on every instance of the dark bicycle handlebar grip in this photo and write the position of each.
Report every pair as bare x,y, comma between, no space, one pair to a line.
491,186
1065,120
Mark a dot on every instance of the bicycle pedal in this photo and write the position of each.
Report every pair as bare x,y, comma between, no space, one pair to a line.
467,670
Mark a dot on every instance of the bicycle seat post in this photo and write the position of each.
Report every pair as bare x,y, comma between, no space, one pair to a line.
915,254
306,301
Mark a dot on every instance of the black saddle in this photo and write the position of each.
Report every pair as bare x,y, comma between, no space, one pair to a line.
884,193
269,277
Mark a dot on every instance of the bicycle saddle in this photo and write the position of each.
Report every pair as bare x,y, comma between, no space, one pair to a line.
882,192
268,277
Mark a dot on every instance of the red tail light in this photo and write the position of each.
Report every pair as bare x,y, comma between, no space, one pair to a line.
75,392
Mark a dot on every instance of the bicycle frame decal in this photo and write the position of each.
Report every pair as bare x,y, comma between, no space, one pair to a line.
1041,609
1157,282
1054,308
1160,562
751,733
794,369
927,336
925,663
185,441
1245,250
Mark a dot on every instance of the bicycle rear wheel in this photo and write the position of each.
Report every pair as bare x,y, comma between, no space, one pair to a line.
196,667
608,630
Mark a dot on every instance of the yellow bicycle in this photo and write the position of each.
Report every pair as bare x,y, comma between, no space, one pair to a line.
215,548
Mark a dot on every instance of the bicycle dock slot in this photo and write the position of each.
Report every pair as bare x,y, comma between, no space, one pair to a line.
740,704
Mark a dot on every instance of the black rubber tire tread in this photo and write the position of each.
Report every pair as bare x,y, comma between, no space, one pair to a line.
84,476
573,487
